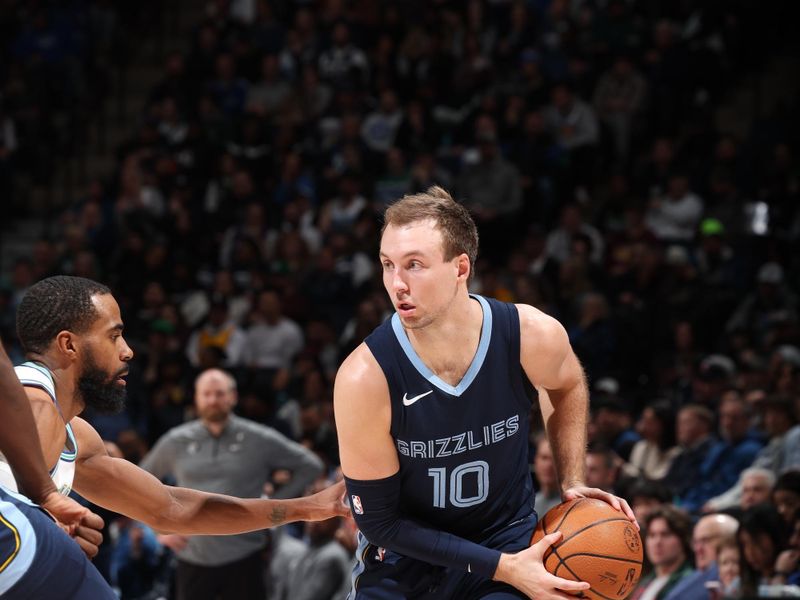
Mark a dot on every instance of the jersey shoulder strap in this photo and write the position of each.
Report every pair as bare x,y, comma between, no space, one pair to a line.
34,375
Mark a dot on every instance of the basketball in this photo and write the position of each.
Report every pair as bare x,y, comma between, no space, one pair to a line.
599,545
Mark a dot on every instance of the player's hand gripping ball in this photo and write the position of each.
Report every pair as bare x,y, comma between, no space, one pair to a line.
599,545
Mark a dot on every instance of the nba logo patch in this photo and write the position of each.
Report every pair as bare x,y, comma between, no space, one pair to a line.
356,502
381,554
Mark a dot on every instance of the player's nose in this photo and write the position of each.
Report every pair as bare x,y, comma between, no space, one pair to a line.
398,284
127,352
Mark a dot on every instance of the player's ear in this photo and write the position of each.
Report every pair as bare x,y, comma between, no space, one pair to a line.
464,266
66,344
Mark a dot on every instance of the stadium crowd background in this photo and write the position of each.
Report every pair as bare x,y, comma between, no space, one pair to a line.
240,226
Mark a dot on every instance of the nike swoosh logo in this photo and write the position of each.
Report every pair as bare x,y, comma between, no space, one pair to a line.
409,401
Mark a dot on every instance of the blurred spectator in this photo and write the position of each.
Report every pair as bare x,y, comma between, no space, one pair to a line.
136,558
548,490
728,457
322,572
271,341
706,535
340,213
728,560
694,435
395,181
217,341
611,424
757,487
490,188
573,122
645,496
676,215
787,565
786,495
602,467
271,95
223,453
559,241
667,545
343,63
781,452
762,537
652,456
593,336
228,91
618,99
380,126
772,300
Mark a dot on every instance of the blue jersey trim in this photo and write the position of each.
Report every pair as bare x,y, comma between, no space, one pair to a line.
360,566
477,360
66,455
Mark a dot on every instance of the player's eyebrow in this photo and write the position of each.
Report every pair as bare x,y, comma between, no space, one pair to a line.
116,327
409,253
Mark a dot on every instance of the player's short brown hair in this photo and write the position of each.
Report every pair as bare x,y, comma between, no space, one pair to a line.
459,232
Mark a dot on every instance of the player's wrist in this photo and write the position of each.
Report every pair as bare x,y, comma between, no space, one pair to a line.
572,482
43,494
505,566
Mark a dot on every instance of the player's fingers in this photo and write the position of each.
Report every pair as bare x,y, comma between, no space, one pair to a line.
626,508
610,498
568,585
93,536
543,544
92,520
88,548
64,509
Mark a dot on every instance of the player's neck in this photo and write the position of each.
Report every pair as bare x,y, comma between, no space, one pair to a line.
448,345
665,569
459,323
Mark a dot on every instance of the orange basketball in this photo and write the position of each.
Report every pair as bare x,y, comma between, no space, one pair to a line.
599,545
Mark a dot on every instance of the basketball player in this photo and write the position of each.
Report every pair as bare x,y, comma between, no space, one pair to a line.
33,549
432,414
71,331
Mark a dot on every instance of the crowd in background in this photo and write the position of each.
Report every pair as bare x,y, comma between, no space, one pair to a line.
241,226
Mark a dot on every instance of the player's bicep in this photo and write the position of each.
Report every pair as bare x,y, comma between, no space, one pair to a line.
49,424
363,418
545,352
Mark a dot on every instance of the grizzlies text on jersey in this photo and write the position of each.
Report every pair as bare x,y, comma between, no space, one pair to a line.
463,449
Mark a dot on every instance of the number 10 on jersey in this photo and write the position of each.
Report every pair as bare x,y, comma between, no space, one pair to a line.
478,468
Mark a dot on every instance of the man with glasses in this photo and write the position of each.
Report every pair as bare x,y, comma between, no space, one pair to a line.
707,533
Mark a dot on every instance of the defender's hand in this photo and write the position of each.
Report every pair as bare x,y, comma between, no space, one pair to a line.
66,511
331,502
88,534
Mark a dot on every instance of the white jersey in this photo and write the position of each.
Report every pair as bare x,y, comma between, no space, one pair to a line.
35,375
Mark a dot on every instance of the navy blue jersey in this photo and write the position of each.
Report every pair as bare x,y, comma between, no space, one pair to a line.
463,449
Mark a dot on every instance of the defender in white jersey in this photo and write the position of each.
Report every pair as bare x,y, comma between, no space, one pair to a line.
33,375
34,551
71,330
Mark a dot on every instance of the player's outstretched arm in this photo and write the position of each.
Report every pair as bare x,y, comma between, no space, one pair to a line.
551,365
121,486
